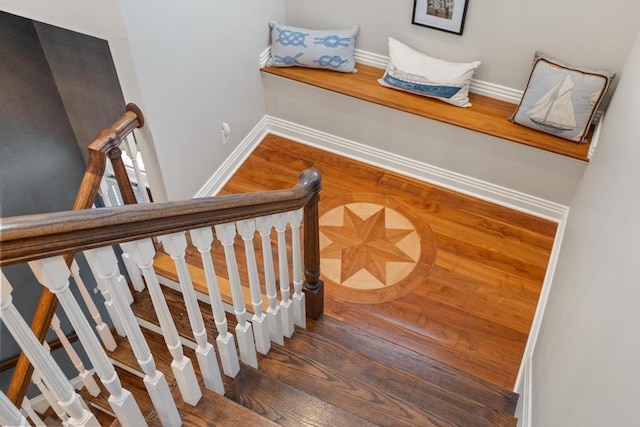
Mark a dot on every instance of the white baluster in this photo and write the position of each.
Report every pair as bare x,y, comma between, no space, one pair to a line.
299,316
132,271
274,316
54,274
9,414
202,238
86,376
60,387
131,148
176,246
103,191
36,379
280,222
103,261
103,330
28,412
108,302
143,253
226,234
129,264
247,229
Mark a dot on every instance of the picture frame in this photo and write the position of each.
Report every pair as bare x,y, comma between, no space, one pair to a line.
443,15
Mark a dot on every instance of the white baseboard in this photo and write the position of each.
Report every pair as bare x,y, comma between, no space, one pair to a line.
542,303
524,408
451,180
233,162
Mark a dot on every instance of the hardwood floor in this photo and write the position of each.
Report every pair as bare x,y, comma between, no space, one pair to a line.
451,277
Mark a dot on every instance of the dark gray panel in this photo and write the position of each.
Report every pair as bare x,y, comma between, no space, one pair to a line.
41,165
86,77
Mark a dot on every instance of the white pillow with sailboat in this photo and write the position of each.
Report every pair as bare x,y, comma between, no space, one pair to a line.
561,100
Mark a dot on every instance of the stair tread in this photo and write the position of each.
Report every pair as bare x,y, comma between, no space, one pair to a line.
473,388
433,384
266,396
212,409
285,404
476,389
313,363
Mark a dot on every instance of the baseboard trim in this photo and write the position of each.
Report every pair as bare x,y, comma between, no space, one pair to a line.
220,177
524,409
542,303
451,180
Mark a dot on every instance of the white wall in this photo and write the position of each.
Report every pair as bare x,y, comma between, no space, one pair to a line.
585,365
503,34
198,66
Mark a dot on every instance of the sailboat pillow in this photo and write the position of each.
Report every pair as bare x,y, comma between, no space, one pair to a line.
416,72
561,100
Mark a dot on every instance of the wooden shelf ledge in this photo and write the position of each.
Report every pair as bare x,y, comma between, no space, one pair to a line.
487,115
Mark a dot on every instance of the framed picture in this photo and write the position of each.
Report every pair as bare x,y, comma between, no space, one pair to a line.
443,15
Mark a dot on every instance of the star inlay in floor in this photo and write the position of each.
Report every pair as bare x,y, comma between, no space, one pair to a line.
368,249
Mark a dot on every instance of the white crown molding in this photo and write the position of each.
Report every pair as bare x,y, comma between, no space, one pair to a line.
234,160
422,171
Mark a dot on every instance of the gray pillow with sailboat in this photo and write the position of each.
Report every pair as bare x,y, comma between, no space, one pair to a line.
561,100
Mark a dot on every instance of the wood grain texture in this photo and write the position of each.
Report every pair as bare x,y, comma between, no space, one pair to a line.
334,374
473,310
486,115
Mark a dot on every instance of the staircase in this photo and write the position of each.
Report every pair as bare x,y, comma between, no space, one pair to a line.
322,372
330,374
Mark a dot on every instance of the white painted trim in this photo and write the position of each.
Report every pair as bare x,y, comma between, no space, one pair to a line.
234,160
596,134
524,410
542,300
371,59
40,404
496,91
264,57
451,180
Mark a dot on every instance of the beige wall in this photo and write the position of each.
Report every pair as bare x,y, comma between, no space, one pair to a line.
585,365
503,34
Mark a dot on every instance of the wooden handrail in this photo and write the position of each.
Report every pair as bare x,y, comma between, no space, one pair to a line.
107,144
30,237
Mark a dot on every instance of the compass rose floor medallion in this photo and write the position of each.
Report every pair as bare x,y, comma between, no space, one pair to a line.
371,252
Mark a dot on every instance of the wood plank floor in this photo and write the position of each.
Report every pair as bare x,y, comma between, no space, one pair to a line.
448,276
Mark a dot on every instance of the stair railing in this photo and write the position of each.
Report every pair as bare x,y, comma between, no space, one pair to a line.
45,240
107,145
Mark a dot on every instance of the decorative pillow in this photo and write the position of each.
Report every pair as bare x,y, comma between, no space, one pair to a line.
329,49
415,72
561,100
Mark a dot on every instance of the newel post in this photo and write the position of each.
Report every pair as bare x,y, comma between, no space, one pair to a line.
313,287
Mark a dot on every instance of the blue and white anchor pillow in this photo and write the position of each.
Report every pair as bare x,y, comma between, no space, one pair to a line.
415,72
561,100
328,49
